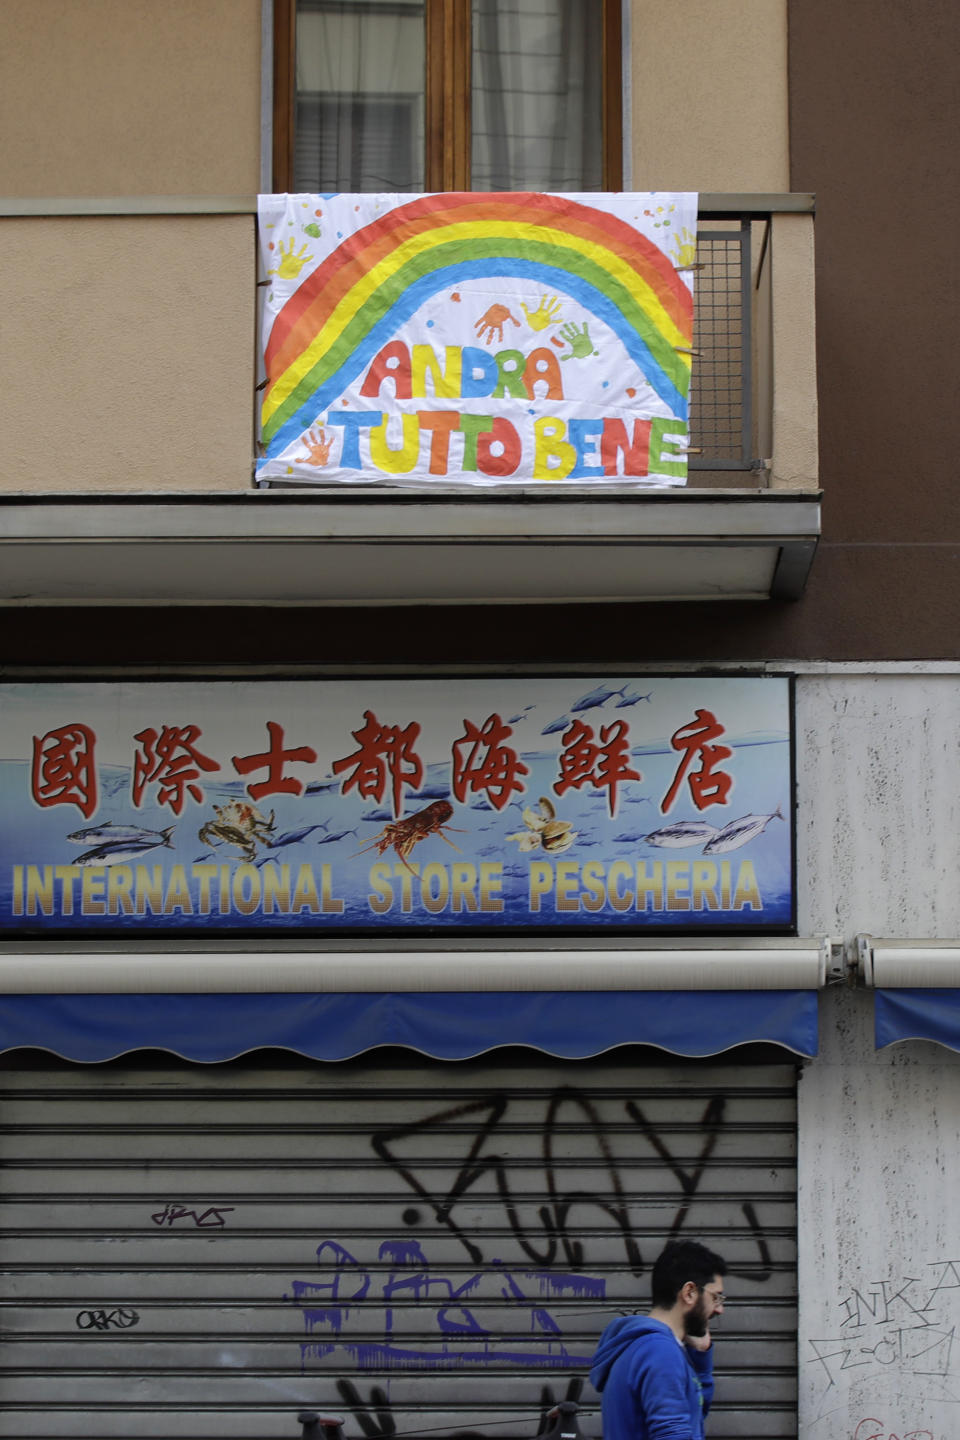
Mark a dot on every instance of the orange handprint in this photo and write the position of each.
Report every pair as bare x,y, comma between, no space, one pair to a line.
494,321
318,446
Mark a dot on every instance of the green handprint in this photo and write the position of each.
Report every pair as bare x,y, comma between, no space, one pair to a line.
684,249
546,313
291,263
580,343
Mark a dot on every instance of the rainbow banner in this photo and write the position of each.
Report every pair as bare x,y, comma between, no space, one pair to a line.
477,339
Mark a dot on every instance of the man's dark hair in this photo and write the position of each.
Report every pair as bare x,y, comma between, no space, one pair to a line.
682,1261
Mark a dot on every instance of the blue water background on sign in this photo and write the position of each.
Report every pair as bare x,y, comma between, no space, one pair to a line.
349,829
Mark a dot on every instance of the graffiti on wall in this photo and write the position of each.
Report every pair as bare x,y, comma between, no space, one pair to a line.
498,1311
553,1237
904,1326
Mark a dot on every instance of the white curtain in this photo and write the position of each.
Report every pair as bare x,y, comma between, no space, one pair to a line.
360,77
537,95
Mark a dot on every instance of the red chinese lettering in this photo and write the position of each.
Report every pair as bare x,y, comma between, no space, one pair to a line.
63,771
385,752
582,760
273,761
488,764
169,759
708,786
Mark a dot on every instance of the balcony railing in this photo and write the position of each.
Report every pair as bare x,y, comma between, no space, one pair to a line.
154,502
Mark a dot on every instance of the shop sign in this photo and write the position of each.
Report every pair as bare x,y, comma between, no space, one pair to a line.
367,806
477,339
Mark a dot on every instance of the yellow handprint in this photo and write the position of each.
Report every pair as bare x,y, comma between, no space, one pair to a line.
546,313
318,447
684,249
291,263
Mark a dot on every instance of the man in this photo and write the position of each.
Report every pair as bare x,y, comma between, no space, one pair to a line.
655,1372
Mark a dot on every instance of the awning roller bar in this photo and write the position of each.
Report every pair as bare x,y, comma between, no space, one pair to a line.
778,965
909,964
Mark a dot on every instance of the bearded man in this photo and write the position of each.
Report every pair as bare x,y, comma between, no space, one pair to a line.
655,1372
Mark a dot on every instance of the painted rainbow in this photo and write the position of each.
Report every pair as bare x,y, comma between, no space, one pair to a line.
353,303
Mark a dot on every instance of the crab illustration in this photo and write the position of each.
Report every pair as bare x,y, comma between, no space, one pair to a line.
238,824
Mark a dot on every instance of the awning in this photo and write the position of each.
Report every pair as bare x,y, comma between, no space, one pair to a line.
693,998
917,984
452,1025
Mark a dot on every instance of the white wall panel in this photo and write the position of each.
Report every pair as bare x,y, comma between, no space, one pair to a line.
879,1149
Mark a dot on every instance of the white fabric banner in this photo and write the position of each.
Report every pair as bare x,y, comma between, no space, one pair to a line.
479,339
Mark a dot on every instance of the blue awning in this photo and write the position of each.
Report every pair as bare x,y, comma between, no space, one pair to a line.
917,1014
447,1025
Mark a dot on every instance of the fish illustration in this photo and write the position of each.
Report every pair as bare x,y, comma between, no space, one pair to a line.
629,699
109,833
121,854
599,696
682,833
555,725
338,835
292,837
740,832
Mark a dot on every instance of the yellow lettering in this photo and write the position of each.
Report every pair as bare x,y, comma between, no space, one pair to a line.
178,891
678,879
541,882
150,890
463,894
620,870
119,890
406,875
67,875
704,885
40,889
593,878
305,895
204,875
748,891
381,898
396,462
491,882
331,905
650,888
434,873
553,457
568,885
276,889
445,386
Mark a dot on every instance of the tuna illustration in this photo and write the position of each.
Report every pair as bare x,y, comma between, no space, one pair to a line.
740,832
682,833
123,852
108,833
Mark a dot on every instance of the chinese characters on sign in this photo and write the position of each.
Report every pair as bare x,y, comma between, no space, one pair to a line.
483,764
367,805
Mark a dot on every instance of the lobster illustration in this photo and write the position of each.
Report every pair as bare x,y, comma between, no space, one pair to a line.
402,835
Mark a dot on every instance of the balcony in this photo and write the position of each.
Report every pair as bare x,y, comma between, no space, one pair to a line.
160,507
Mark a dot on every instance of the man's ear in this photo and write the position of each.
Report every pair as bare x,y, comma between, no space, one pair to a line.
689,1293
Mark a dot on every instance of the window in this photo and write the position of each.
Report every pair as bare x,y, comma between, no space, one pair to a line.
398,95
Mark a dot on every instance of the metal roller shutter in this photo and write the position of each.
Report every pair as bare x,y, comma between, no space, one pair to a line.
419,1247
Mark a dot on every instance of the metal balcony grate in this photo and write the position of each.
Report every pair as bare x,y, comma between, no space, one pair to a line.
721,419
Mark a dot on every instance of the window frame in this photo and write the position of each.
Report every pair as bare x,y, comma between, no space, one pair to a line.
447,109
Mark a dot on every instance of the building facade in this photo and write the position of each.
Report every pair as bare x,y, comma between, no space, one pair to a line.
404,1178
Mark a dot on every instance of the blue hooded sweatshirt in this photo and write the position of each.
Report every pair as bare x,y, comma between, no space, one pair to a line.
653,1387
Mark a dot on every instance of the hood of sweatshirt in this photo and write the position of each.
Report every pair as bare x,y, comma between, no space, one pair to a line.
619,1336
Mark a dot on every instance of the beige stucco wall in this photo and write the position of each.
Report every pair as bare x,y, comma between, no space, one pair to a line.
129,97
128,353
708,85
